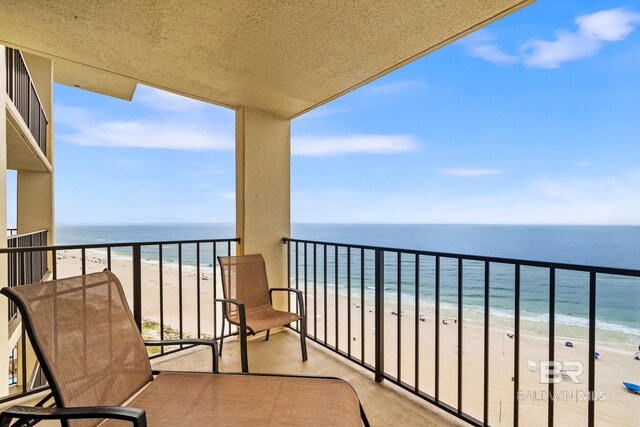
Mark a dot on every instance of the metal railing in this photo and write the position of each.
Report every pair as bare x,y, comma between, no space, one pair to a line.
178,272
347,284
24,95
26,267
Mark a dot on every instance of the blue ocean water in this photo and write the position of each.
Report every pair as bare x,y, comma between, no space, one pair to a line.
618,298
604,246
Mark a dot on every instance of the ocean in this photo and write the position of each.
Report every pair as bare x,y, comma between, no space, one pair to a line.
618,307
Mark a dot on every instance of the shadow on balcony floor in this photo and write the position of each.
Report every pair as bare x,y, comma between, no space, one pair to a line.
384,404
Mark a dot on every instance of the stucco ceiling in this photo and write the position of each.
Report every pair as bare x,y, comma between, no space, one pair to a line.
280,56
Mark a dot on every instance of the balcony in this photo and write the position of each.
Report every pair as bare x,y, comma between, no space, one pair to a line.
420,334
27,133
450,361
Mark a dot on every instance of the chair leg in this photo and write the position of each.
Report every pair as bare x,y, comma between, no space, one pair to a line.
363,417
243,350
221,339
303,338
267,338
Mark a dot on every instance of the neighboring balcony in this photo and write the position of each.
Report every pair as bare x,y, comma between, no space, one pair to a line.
27,121
25,267
422,336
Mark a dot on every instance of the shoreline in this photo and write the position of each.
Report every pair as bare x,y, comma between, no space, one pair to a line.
607,333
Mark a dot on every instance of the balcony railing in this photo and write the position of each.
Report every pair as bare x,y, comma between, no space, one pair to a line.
26,267
170,285
24,95
356,297
405,315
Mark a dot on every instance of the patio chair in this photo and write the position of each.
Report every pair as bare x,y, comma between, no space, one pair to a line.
97,367
247,302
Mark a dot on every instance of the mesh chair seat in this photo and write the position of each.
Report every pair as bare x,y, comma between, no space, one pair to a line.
192,399
266,317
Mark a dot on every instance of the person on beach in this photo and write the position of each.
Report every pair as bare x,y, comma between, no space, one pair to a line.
637,355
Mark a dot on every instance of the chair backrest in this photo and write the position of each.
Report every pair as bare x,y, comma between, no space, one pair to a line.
244,278
86,339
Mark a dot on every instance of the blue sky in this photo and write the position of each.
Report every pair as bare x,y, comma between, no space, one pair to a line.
532,120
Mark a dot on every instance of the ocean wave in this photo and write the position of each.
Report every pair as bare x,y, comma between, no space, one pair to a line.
535,317
561,319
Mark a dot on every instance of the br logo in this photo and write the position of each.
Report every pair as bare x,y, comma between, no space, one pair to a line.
553,372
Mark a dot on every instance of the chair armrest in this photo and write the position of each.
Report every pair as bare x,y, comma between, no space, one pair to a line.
231,301
25,413
192,341
239,304
298,293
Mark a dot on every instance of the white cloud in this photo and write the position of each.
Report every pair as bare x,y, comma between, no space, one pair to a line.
197,134
395,87
167,101
592,33
319,146
552,54
561,200
471,172
178,133
608,25
481,45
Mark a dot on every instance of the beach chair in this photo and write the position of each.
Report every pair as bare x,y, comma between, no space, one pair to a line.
96,364
247,302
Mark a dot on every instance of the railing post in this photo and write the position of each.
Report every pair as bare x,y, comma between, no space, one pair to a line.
592,348
137,286
32,263
23,358
379,314
45,242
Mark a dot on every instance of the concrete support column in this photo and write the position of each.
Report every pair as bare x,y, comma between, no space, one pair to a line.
263,191
4,327
35,202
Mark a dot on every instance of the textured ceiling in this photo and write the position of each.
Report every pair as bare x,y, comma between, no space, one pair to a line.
280,56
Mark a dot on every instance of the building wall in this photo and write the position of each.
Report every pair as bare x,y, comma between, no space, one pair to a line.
4,327
35,204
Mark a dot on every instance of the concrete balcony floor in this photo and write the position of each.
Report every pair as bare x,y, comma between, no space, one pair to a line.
385,404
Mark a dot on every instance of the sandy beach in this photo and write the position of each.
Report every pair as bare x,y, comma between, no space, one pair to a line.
614,407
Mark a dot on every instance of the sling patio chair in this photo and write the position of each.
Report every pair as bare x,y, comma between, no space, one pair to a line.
95,362
247,302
